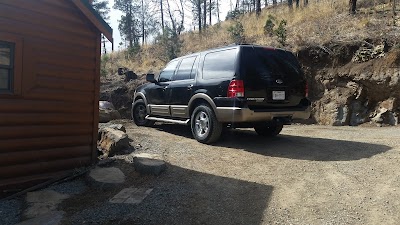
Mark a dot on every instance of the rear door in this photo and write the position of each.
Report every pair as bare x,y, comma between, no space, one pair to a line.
218,69
272,78
180,89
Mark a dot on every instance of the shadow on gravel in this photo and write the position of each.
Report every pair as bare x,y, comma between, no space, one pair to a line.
176,129
303,148
179,196
287,146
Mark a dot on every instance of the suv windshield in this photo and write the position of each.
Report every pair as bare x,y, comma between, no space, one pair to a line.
267,65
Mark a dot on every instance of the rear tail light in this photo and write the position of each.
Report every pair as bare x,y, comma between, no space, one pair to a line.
306,89
236,89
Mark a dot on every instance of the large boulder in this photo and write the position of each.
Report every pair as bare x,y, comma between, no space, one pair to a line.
106,115
111,141
107,112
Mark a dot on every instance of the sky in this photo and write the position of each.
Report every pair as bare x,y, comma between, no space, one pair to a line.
115,15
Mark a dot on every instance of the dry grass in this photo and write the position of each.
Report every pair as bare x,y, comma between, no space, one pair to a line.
320,23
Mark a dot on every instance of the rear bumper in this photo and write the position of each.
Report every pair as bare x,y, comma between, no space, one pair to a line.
235,114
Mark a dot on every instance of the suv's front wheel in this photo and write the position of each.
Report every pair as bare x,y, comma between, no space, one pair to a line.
139,113
204,124
269,129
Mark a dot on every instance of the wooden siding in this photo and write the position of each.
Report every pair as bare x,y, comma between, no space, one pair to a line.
51,127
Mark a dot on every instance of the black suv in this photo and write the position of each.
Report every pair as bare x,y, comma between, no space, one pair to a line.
235,86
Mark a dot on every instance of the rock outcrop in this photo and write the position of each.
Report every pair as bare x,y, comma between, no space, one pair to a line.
348,90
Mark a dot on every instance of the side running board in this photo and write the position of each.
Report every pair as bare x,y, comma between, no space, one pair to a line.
182,122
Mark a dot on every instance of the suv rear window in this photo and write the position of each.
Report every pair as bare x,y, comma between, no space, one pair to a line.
269,64
220,64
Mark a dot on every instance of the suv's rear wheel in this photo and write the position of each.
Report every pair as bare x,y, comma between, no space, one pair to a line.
139,113
269,129
204,124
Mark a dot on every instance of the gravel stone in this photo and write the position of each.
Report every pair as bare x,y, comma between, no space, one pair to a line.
74,187
10,211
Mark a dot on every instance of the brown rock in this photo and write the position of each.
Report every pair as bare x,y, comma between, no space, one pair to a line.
112,141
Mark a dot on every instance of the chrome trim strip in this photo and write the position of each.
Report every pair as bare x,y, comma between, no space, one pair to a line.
182,122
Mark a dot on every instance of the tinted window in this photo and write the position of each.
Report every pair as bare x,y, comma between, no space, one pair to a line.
220,64
6,65
185,69
168,72
262,65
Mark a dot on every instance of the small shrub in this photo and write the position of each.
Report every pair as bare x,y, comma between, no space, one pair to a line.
269,26
281,32
234,14
132,51
170,43
236,32
105,58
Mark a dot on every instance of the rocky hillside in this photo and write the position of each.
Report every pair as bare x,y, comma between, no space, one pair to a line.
351,61
353,84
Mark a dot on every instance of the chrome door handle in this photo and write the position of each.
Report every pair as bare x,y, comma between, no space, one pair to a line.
165,88
190,87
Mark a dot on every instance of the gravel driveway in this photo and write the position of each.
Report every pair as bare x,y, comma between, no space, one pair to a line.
307,175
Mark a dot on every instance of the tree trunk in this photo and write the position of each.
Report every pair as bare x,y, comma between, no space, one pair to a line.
171,16
218,10
129,18
162,16
274,2
205,14
265,3
210,9
199,14
258,7
297,3
394,11
352,6
305,3
143,35
290,4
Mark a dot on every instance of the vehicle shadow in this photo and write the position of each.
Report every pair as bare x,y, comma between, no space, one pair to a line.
186,196
179,196
289,146
303,148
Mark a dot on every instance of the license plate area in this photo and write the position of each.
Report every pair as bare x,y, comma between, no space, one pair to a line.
278,95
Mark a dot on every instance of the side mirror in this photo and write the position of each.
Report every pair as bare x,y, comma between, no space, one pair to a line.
151,78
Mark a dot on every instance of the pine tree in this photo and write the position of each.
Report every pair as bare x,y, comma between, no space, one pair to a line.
101,6
129,24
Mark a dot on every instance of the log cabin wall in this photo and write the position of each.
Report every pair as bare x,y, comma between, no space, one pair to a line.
48,124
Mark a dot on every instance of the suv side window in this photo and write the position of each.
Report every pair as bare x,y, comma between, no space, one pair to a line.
220,64
168,72
185,69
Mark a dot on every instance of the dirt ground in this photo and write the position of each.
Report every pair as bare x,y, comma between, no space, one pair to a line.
308,175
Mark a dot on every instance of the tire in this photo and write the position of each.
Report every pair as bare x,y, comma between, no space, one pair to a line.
139,113
204,125
268,129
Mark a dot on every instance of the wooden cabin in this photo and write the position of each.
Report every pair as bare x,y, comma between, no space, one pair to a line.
49,89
